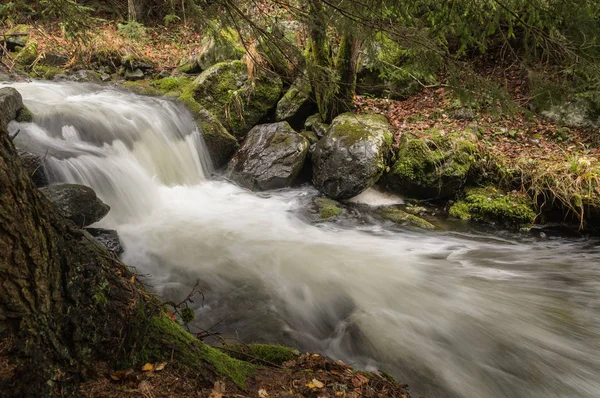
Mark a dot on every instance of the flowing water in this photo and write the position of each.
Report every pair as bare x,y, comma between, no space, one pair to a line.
452,314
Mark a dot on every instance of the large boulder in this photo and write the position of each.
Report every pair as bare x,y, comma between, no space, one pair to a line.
436,165
271,157
77,203
352,155
296,105
11,104
226,90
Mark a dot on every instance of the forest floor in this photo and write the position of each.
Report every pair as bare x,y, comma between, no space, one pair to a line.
310,375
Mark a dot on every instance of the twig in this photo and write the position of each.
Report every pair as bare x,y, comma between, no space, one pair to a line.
12,137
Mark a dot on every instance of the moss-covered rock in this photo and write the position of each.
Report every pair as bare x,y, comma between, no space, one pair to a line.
436,166
511,210
315,123
296,105
28,54
401,217
268,353
327,208
239,102
271,157
45,72
352,155
221,47
220,143
17,36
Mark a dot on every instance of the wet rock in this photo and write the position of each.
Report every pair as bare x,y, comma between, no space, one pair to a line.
11,104
271,157
85,76
220,144
77,203
435,166
296,105
132,75
34,165
108,238
352,155
227,92
5,77
315,123
491,206
402,217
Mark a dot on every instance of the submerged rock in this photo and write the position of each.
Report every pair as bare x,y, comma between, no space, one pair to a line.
295,106
226,90
401,217
108,238
488,205
352,155
435,166
77,203
271,157
326,209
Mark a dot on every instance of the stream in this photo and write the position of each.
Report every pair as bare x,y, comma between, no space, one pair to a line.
452,313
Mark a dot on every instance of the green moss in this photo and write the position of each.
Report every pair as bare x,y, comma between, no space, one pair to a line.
45,71
328,208
399,216
238,102
28,54
511,210
161,338
270,354
171,86
436,166
24,115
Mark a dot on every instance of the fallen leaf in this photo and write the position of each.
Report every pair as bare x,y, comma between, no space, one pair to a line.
132,280
358,380
262,393
314,383
218,390
148,367
160,366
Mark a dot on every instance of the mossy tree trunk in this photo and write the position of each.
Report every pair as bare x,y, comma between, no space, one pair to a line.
319,59
64,302
346,68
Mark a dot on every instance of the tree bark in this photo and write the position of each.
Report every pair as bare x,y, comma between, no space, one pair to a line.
319,65
64,301
135,10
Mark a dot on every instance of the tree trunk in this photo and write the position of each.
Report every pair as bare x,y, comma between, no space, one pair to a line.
64,301
346,67
135,10
319,62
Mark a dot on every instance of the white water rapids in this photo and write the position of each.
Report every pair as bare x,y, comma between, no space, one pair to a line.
451,314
